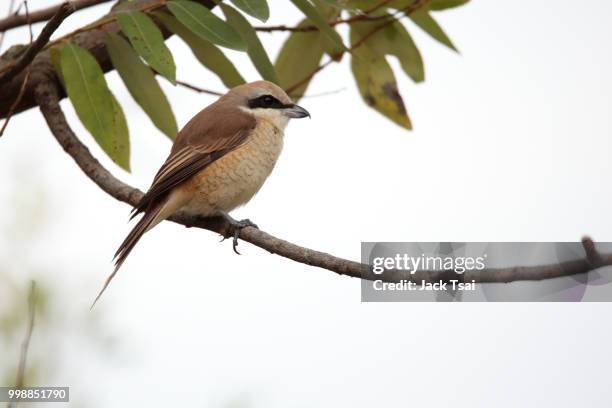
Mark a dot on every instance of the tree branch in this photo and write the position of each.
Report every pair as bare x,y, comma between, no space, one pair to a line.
10,70
47,96
17,20
93,40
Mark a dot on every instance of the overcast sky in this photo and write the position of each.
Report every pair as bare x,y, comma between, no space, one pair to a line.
511,142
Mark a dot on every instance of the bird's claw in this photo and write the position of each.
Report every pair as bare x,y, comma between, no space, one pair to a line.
237,226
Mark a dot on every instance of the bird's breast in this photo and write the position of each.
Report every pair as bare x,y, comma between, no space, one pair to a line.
233,179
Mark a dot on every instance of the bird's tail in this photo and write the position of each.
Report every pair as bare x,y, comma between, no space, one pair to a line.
151,218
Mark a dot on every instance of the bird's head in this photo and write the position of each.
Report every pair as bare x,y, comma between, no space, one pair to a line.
267,101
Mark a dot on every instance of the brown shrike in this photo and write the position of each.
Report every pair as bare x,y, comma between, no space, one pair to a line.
219,160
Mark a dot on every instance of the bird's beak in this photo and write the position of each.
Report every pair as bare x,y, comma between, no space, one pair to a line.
295,111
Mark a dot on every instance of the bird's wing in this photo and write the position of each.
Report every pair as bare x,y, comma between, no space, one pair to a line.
207,137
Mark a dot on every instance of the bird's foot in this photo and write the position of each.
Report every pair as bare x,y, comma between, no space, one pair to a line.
235,228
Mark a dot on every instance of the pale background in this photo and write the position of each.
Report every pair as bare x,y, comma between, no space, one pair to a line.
512,142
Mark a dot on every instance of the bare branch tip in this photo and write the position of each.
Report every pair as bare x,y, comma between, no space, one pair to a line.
592,255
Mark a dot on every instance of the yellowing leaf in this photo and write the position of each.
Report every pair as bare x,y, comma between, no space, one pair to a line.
208,55
140,82
93,102
148,41
256,8
205,24
299,56
255,49
377,84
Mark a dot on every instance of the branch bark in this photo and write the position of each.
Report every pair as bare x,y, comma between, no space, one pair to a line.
17,20
47,96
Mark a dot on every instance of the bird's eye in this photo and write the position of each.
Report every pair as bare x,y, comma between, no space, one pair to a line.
268,100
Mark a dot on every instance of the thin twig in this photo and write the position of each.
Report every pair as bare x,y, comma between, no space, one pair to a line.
25,344
17,20
198,89
9,72
320,94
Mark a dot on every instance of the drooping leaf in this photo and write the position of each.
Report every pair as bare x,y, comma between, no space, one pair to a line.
330,13
426,22
207,53
377,84
93,102
140,82
318,20
121,136
299,56
393,39
437,5
256,8
255,49
205,24
148,42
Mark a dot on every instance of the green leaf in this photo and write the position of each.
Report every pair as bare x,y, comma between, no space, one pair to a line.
121,136
208,55
255,49
426,22
367,6
148,41
330,13
206,25
256,8
299,56
318,20
377,84
446,4
93,102
393,39
140,82
339,4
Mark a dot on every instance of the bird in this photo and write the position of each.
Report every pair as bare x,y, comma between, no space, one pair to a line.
219,160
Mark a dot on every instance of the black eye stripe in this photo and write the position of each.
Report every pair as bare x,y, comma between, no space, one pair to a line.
267,102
